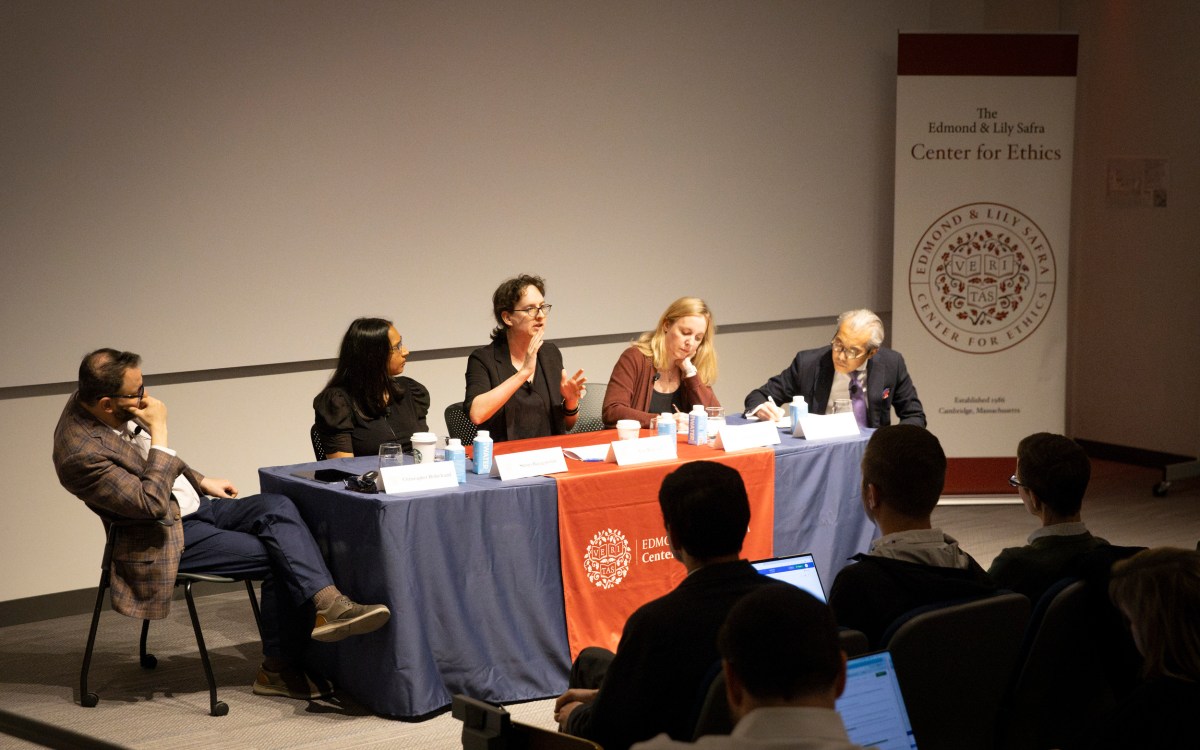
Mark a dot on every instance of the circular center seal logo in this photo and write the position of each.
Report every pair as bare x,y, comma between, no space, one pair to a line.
607,558
982,278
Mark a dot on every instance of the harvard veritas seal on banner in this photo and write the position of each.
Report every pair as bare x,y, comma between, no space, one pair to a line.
982,278
607,558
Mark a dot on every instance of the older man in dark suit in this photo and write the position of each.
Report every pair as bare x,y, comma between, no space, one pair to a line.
111,451
854,368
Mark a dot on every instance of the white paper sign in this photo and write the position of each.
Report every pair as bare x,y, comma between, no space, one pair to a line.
736,437
643,450
529,463
825,426
418,477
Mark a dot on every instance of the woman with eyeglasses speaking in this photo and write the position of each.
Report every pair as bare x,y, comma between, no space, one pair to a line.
670,369
516,386
368,401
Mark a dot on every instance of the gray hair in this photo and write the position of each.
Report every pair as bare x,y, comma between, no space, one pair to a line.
864,319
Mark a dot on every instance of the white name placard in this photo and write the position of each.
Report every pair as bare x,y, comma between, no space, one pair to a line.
825,426
529,463
643,450
418,477
736,437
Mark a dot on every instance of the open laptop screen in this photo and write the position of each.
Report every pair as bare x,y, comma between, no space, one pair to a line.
871,707
798,570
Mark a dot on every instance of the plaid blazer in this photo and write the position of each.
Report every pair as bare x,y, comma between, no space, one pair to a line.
111,477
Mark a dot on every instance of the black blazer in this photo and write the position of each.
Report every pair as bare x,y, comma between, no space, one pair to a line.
811,375
490,365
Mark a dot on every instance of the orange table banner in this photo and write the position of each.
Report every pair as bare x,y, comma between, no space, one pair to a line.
613,548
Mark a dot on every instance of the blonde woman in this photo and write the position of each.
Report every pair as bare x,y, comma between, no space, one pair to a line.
669,369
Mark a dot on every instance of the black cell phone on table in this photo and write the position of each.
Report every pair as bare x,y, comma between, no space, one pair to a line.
325,475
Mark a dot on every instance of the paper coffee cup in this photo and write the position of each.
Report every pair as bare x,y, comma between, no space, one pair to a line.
423,444
628,429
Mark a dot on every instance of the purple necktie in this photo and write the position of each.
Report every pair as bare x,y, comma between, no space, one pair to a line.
858,400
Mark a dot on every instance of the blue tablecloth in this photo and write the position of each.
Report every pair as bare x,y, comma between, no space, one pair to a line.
473,579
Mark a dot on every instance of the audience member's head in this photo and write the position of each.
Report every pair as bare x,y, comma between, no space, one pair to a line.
102,373
705,509
780,647
1158,590
1056,469
907,467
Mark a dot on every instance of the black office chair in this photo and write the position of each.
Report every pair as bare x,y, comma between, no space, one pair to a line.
458,424
1078,661
147,660
318,446
853,642
954,663
590,407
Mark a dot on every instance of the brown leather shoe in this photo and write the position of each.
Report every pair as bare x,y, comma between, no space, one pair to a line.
343,618
289,682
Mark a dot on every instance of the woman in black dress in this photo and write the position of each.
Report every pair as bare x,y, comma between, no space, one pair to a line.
368,401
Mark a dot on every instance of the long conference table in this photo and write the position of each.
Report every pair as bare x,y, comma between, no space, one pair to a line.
472,573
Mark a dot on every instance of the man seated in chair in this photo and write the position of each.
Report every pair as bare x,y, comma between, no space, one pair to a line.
668,645
784,671
111,451
1051,477
912,564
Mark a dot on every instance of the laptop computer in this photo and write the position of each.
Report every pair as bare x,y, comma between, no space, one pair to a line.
798,570
872,707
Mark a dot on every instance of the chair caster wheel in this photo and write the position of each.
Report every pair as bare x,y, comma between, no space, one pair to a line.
1160,489
149,661
89,700
220,708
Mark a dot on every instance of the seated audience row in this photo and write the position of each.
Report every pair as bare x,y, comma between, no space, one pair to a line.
782,688
517,387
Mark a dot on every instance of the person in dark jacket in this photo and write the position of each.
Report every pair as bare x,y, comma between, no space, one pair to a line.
912,564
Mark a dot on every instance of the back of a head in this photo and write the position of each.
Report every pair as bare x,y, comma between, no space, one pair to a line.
705,509
1159,590
1056,469
782,643
907,465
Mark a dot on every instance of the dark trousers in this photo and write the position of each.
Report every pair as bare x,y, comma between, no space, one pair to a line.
261,537
589,668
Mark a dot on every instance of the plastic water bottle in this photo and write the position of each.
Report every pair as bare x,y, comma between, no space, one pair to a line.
799,409
456,453
698,426
666,424
483,452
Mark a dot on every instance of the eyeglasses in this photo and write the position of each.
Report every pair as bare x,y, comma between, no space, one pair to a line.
140,392
1013,482
840,348
533,312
